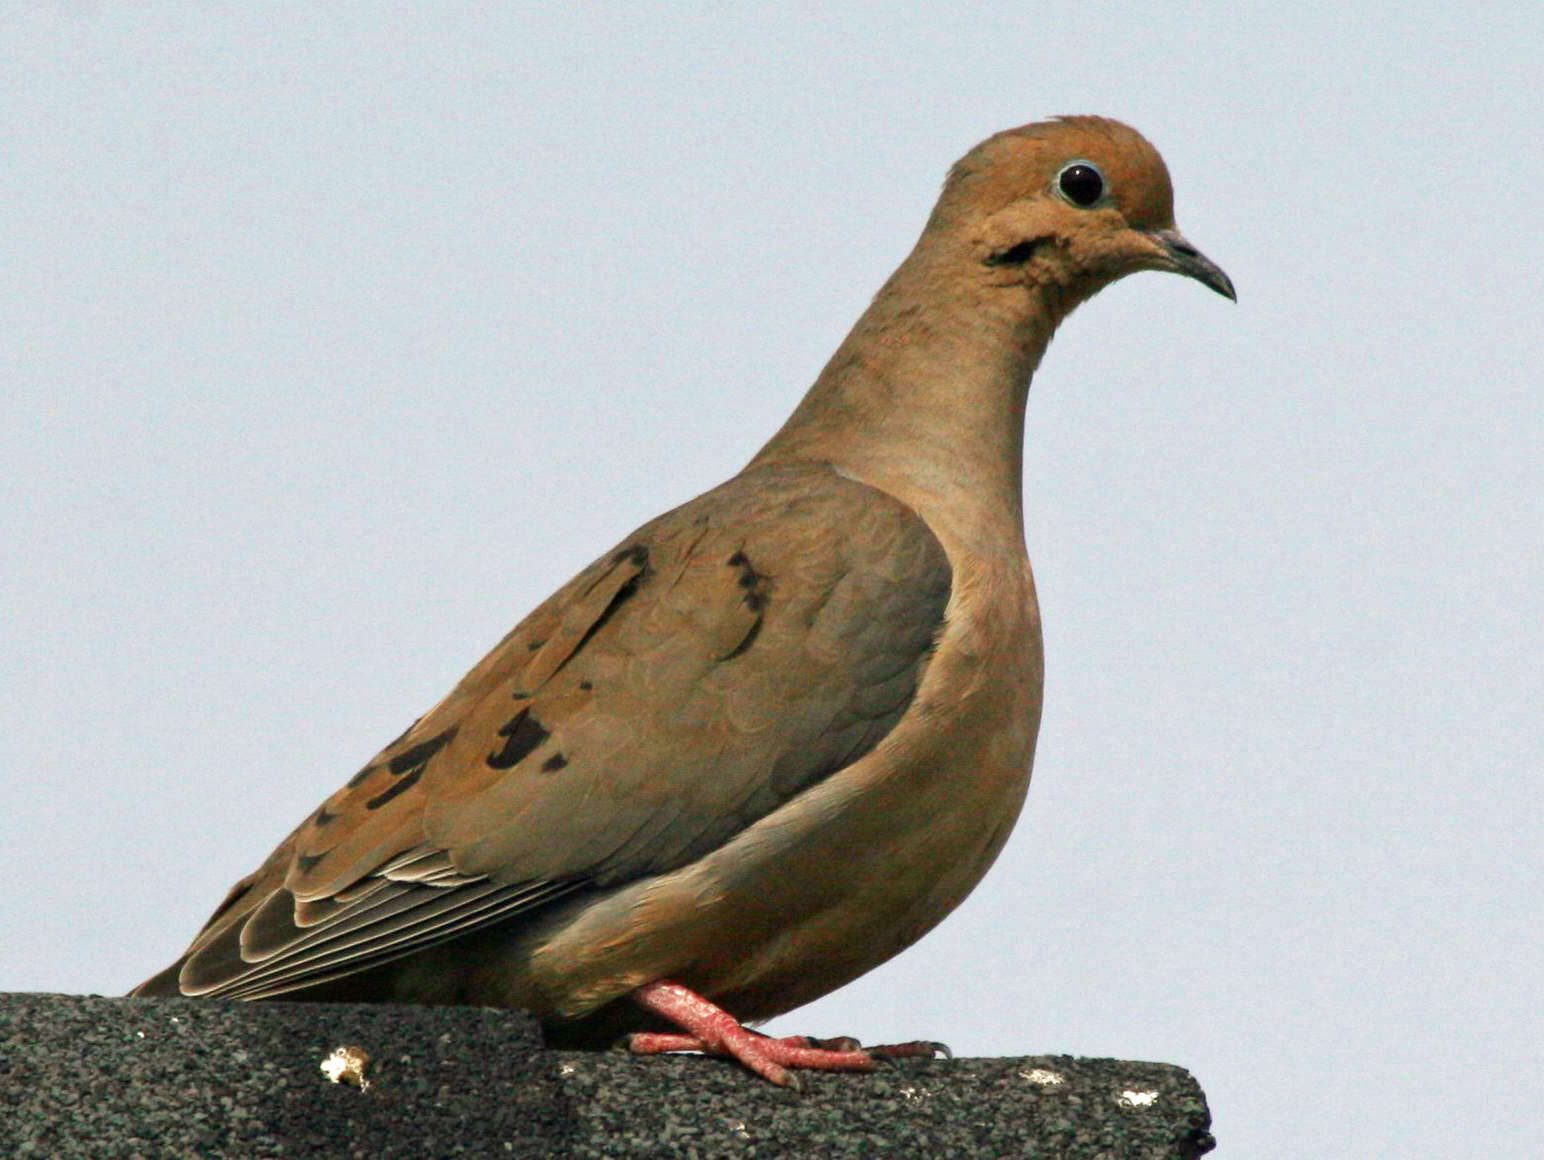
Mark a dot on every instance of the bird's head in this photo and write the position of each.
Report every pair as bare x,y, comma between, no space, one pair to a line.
1068,206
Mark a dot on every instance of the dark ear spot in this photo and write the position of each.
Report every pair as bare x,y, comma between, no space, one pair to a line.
1015,255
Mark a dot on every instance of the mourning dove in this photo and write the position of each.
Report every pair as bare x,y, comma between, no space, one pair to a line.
775,735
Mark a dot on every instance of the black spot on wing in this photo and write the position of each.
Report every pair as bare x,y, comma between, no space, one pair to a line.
745,644
757,587
522,733
409,765
401,785
554,763
638,556
305,863
407,756
419,754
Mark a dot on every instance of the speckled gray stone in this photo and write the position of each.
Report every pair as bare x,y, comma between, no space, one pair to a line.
110,1078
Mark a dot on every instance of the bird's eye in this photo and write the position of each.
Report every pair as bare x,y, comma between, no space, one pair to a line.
1081,184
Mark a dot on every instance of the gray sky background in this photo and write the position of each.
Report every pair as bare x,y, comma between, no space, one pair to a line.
334,337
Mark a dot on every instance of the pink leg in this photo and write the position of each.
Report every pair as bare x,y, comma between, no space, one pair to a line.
709,1028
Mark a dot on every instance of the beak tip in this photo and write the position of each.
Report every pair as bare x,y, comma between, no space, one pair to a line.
1190,262
1209,275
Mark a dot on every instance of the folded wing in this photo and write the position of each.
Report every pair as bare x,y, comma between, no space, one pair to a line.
723,659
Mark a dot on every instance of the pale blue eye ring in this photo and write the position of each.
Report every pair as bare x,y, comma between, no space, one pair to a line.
1081,183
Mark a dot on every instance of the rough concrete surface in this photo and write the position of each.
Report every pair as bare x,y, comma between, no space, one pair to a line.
108,1078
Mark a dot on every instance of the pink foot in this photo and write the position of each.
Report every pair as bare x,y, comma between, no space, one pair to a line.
712,1030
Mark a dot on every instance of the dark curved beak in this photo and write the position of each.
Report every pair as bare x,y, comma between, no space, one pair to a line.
1187,260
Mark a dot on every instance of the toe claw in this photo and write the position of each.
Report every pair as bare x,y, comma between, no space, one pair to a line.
836,1043
915,1049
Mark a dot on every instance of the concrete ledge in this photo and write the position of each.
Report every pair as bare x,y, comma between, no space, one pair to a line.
107,1078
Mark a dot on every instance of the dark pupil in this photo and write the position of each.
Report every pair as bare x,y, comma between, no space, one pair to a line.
1082,184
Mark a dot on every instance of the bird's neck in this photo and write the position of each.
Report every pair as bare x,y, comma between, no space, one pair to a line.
925,398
